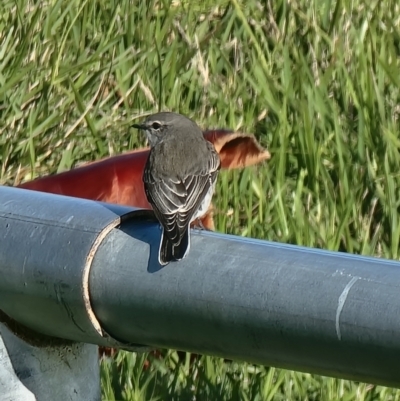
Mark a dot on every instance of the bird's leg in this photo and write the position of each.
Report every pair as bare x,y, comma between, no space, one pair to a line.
198,225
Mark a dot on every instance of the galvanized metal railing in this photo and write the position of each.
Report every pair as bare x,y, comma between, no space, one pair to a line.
88,272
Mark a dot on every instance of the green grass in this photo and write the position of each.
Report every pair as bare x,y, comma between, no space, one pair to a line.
316,81
127,378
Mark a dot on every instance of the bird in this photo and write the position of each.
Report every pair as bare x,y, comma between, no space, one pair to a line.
179,178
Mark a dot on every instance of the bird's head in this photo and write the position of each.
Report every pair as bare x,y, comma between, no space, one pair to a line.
158,125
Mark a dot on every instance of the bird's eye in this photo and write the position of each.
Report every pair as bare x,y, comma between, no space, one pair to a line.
156,125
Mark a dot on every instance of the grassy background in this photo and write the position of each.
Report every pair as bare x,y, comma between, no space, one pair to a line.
317,81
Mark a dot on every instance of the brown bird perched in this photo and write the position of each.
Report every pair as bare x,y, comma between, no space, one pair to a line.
179,178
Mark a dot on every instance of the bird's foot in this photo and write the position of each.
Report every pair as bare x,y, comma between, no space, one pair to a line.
198,225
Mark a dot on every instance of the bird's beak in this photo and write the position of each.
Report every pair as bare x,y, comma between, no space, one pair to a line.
138,126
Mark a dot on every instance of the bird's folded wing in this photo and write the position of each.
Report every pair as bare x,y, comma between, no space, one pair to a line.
175,201
175,204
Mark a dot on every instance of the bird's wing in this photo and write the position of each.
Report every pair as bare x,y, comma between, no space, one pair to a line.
175,201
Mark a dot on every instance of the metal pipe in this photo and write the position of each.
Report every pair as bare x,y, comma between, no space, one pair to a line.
298,308
47,244
280,305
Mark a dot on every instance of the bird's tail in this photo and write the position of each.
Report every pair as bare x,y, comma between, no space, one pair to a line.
170,251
